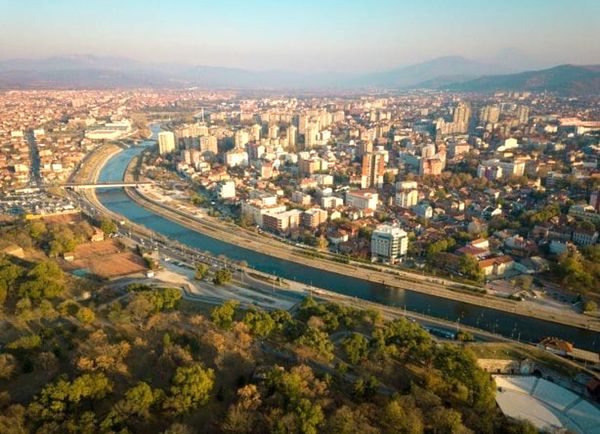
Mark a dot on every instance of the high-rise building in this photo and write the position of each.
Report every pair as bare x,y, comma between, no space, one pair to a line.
208,144
166,142
523,114
428,151
461,116
273,131
364,147
388,243
292,136
373,168
489,114
462,113
241,138
311,136
255,132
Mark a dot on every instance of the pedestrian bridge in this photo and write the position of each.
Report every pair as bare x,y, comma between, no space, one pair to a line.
88,186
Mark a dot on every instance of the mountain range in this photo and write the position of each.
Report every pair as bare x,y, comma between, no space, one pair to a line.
450,72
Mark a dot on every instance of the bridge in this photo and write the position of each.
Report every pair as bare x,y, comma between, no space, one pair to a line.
88,186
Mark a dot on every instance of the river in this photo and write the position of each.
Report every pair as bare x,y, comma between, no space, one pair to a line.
510,325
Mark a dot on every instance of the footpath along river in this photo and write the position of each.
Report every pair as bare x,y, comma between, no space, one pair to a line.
507,324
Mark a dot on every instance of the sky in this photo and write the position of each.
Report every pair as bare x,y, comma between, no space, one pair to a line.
305,35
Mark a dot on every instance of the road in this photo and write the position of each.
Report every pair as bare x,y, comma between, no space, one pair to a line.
409,281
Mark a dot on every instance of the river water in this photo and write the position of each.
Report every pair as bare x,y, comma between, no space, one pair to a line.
510,325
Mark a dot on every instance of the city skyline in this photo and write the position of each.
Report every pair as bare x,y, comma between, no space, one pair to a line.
335,36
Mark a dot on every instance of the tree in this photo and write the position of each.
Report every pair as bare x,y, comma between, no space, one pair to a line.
346,421
57,400
136,403
318,341
108,226
524,281
222,277
27,342
400,416
309,415
45,280
322,243
201,271
469,266
179,428
8,366
241,417
259,322
356,347
37,230
590,306
86,315
223,315
191,387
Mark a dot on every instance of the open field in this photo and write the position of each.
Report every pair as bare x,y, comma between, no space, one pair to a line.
106,259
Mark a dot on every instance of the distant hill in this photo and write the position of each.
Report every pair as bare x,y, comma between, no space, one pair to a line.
563,79
449,72
448,68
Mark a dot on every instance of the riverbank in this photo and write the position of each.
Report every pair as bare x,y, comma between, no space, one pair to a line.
234,235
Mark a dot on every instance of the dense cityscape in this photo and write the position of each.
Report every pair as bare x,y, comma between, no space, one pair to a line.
283,248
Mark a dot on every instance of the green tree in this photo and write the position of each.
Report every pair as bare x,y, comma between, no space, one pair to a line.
356,347
400,416
259,322
223,315
136,403
86,315
27,342
191,387
201,271
309,415
590,306
37,230
45,280
222,277
469,266
318,341
108,226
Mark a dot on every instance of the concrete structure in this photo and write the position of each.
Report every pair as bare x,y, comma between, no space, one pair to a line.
236,157
548,406
373,168
312,218
281,222
226,190
423,210
388,243
362,199
407,195
166,142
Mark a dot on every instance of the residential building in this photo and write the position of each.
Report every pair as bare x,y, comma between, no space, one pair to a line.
388,243
362,199
166,142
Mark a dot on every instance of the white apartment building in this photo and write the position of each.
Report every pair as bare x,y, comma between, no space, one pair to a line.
388,243
166,142
362,199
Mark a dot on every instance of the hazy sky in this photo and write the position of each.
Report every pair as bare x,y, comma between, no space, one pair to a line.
305,35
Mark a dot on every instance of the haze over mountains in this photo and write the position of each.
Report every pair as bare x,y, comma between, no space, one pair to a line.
449,72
